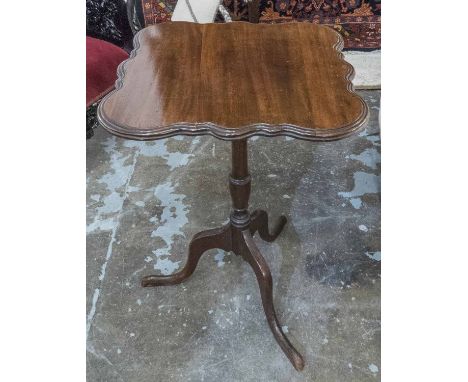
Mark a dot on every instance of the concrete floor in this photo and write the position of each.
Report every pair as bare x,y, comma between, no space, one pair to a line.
146,200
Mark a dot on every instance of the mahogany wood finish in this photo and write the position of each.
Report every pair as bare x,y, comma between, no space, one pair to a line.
233,81
237,236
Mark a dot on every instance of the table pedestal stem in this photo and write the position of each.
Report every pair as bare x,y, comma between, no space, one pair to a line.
237,236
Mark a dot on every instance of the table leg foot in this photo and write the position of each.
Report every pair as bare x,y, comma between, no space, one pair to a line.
259,222
201,242
253,256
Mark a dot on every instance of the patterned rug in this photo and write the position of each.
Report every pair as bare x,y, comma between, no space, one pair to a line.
358,21
157,11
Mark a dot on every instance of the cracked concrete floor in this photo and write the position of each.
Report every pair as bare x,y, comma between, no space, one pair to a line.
146,200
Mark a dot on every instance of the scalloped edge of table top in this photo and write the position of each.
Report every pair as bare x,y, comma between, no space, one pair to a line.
225,133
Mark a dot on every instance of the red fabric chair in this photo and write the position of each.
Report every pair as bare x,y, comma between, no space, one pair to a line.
102,59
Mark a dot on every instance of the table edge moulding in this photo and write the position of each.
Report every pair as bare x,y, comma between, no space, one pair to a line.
241,132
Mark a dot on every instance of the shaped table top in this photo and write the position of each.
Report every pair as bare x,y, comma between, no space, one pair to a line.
233,81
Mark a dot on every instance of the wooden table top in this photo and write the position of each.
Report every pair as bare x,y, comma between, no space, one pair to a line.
233,81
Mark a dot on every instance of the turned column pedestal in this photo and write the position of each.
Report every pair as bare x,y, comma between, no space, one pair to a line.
237,237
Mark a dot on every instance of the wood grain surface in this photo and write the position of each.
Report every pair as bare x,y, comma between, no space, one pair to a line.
233,81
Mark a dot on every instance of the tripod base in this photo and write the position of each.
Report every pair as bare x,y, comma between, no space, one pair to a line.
237,237
230,238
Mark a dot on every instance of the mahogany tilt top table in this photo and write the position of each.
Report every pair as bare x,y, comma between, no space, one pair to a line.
234,81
